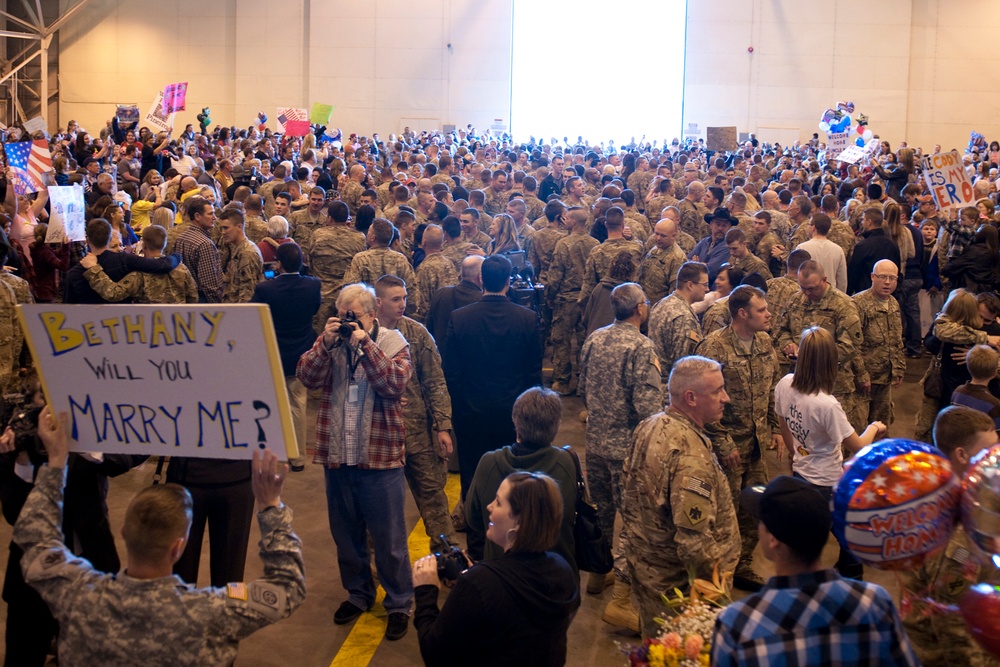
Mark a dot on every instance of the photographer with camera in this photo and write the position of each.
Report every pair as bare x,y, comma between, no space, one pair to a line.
362,370
514,609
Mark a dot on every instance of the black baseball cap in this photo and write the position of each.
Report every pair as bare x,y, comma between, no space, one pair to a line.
793,511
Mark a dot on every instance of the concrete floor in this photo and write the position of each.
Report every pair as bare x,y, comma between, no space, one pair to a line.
309,637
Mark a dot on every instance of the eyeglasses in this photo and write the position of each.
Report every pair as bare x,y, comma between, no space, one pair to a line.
886,279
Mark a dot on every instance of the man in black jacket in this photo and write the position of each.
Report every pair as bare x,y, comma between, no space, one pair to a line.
493,352
873,246
553,183
294,300
450,298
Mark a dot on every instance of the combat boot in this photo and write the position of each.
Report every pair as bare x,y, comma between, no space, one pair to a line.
620,611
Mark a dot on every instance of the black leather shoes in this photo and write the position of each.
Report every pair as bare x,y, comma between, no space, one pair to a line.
398,624
347,612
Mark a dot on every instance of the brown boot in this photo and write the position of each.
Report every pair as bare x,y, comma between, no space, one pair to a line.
596,583
620,611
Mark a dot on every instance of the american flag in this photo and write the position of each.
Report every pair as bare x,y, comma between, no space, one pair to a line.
286,114
29,162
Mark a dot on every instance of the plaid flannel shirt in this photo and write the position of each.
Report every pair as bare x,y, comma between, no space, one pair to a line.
816,618
202,258
386,363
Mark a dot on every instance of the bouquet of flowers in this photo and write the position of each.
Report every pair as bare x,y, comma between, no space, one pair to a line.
686,638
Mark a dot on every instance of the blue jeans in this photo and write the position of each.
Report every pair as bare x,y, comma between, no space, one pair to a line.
847,565
909,306
362,502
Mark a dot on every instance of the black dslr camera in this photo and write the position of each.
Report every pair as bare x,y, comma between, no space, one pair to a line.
24,424
345,330
452,563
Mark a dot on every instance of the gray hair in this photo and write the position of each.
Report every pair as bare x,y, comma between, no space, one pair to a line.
277,227
536,417
625,299
688,373
361,293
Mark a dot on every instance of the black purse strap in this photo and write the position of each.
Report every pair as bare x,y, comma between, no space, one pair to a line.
581,484
158,474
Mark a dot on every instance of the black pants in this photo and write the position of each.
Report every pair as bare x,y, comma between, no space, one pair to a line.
847,565
228,511
30,626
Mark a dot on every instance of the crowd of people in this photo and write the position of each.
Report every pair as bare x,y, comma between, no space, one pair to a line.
707,306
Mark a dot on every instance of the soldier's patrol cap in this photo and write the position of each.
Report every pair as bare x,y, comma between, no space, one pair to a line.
792,510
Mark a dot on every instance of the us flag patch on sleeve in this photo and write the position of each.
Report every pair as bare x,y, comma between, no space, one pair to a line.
237,591
697,486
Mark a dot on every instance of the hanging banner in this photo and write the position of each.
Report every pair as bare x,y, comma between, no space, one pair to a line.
67,221
189,380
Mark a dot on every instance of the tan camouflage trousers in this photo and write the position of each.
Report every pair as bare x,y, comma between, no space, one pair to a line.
426,474
606,482
877,406
750,473
566,326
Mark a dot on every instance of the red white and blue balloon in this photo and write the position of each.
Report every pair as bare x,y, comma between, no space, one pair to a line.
981,504
897,501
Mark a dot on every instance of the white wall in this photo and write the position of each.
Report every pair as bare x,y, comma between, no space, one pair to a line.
382,63
922,70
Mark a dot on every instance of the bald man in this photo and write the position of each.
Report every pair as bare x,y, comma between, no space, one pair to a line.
658,270
693,211
352,189
435,271
882,362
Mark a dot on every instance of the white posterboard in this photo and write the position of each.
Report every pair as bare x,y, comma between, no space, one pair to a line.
201,380
67,221
155,117
836,144
36,124
946,179
854,154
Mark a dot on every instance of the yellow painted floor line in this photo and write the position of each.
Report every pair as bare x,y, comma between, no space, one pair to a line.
369,630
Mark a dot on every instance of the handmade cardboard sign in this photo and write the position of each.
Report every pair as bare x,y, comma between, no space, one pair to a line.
191,380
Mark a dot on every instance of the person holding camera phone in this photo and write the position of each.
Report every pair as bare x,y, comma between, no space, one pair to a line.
362,370
515,609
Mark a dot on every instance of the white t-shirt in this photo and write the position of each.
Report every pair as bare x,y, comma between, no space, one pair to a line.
818,425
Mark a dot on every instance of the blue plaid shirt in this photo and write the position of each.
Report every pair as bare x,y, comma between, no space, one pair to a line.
817,618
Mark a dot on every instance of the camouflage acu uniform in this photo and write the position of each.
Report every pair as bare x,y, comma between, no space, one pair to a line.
22,293
255,228
456,253
881,361
779,291
266,191
496,202
930,596
426,412
780,224
303,224
748,420
836,313
599,263
693,219
762,248
716,317
675,332
751,264
435,271
114,619
350,194
686,242
542,249
173,234
11,341
384,196
535,207
638,182
620,386
524,235
798,236
242,269
480,239
658,271
842,234
178,286
677,510
333,248
638,224
569,262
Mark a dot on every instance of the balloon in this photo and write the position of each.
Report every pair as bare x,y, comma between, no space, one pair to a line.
867,135
859,142
862,119
981,503
897,502
824,126
830,115
846,106
980,607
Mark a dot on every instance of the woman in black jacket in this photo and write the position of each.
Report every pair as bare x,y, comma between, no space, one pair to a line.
977,269
513,610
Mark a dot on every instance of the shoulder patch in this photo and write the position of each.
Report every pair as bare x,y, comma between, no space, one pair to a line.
698,487
694,515
267,599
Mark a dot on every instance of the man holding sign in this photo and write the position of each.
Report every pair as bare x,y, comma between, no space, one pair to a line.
145,615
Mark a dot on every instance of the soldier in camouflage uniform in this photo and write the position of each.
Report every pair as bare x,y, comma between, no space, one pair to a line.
620,387
600,259
330,255
471,232
741,258
763,240
11,341
562,292
22,295
676,507
242,264
658,271
266,191
693,212
882,362
931,593
370,265
455,248
255,226
178,286
153,618
309,219
535,206
673,326
820,304
749,423
435,271
351,188
664,198
497,194
779,292
426,410
542,245
716,317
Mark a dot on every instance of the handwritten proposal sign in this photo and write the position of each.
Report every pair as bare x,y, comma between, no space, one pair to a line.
946,178
198,380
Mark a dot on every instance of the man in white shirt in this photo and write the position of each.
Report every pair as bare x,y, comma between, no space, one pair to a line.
826,252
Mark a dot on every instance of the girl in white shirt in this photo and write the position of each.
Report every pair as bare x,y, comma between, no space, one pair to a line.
814,425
